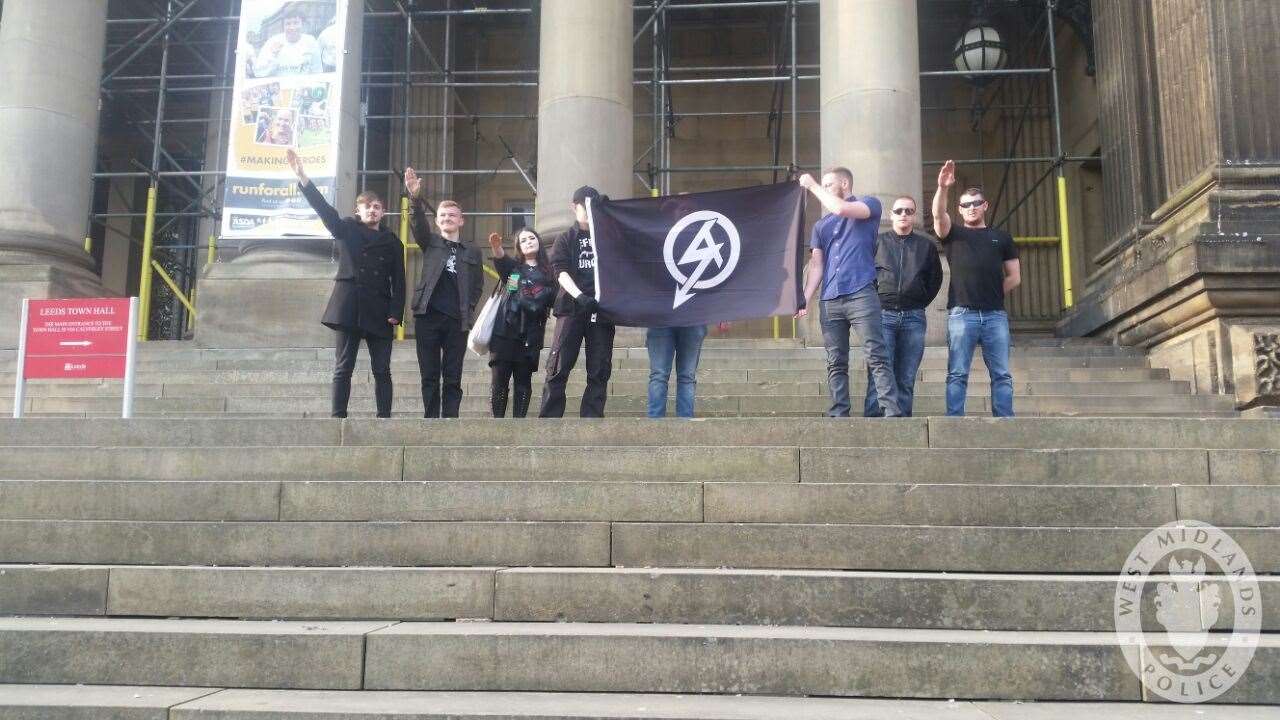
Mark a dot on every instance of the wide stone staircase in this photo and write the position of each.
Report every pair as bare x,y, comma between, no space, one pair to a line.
283,568
747,378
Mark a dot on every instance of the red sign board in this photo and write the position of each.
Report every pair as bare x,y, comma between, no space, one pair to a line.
78,338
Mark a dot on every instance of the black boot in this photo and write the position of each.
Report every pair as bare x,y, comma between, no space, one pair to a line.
498,400
521,407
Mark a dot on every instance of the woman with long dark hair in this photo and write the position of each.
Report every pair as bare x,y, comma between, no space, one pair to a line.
527,289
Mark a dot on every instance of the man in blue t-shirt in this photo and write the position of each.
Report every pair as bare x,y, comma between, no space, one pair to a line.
844,264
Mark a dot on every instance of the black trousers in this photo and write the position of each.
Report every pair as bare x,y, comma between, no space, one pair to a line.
441,346
503,373
571,331
345,350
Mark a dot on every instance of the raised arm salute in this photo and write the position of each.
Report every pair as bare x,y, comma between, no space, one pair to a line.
984,268
368,295
444,299
941,220
843,265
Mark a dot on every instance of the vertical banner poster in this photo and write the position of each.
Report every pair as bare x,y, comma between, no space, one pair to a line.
289,58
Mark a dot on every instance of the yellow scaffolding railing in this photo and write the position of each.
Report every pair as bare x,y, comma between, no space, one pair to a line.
404,241
1068,298
144,282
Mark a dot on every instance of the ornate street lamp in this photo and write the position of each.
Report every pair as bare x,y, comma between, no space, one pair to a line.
980,48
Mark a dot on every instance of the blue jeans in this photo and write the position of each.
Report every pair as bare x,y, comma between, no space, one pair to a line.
965,329
904,341
859,312
681,347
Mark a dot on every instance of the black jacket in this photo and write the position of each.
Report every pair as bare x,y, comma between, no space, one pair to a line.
369,285
435,252
564,258
520,326
908,271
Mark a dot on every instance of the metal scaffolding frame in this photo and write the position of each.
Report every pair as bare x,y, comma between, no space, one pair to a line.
176,57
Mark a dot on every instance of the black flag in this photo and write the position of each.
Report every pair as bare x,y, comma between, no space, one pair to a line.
699,259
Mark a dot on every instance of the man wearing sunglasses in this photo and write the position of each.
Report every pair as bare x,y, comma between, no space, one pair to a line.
843,263
908,277
984,268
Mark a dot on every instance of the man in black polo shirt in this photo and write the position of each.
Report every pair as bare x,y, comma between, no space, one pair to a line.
984,268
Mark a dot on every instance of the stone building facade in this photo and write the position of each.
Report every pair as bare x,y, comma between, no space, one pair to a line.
1164,133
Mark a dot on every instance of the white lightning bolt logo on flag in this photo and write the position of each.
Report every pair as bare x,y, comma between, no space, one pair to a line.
704,250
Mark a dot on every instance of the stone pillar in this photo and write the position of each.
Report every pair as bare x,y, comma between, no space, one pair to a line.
1190,268
48,133
273,292
870,100
584,105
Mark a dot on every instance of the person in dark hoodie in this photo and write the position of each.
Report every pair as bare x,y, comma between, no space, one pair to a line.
367,301
527,289
444,300
908,277
578,322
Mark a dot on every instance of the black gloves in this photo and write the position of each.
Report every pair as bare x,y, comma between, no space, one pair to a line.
587,304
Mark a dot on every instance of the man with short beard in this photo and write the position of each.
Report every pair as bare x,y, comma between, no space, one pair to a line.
842,264
368,291
444,300
984,268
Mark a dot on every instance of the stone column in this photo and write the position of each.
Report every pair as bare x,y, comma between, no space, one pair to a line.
48,133
584,105
870,100
273,292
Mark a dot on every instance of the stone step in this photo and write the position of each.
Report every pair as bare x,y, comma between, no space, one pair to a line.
476,414
152,353
1017,364
787,464
689,464
636,388
898,547
921,548
306,544
706,406
618,595
109,702
479,373
572,657
573,501
958,433
197,653
371,501
149,703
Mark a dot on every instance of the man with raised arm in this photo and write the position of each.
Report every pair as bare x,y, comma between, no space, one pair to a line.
843,263
984,268
444,300
367,301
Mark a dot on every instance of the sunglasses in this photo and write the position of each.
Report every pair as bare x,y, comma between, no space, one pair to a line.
904,211
973,203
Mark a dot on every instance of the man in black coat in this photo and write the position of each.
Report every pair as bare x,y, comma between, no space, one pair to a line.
573,260
908,277
444,300
368,291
